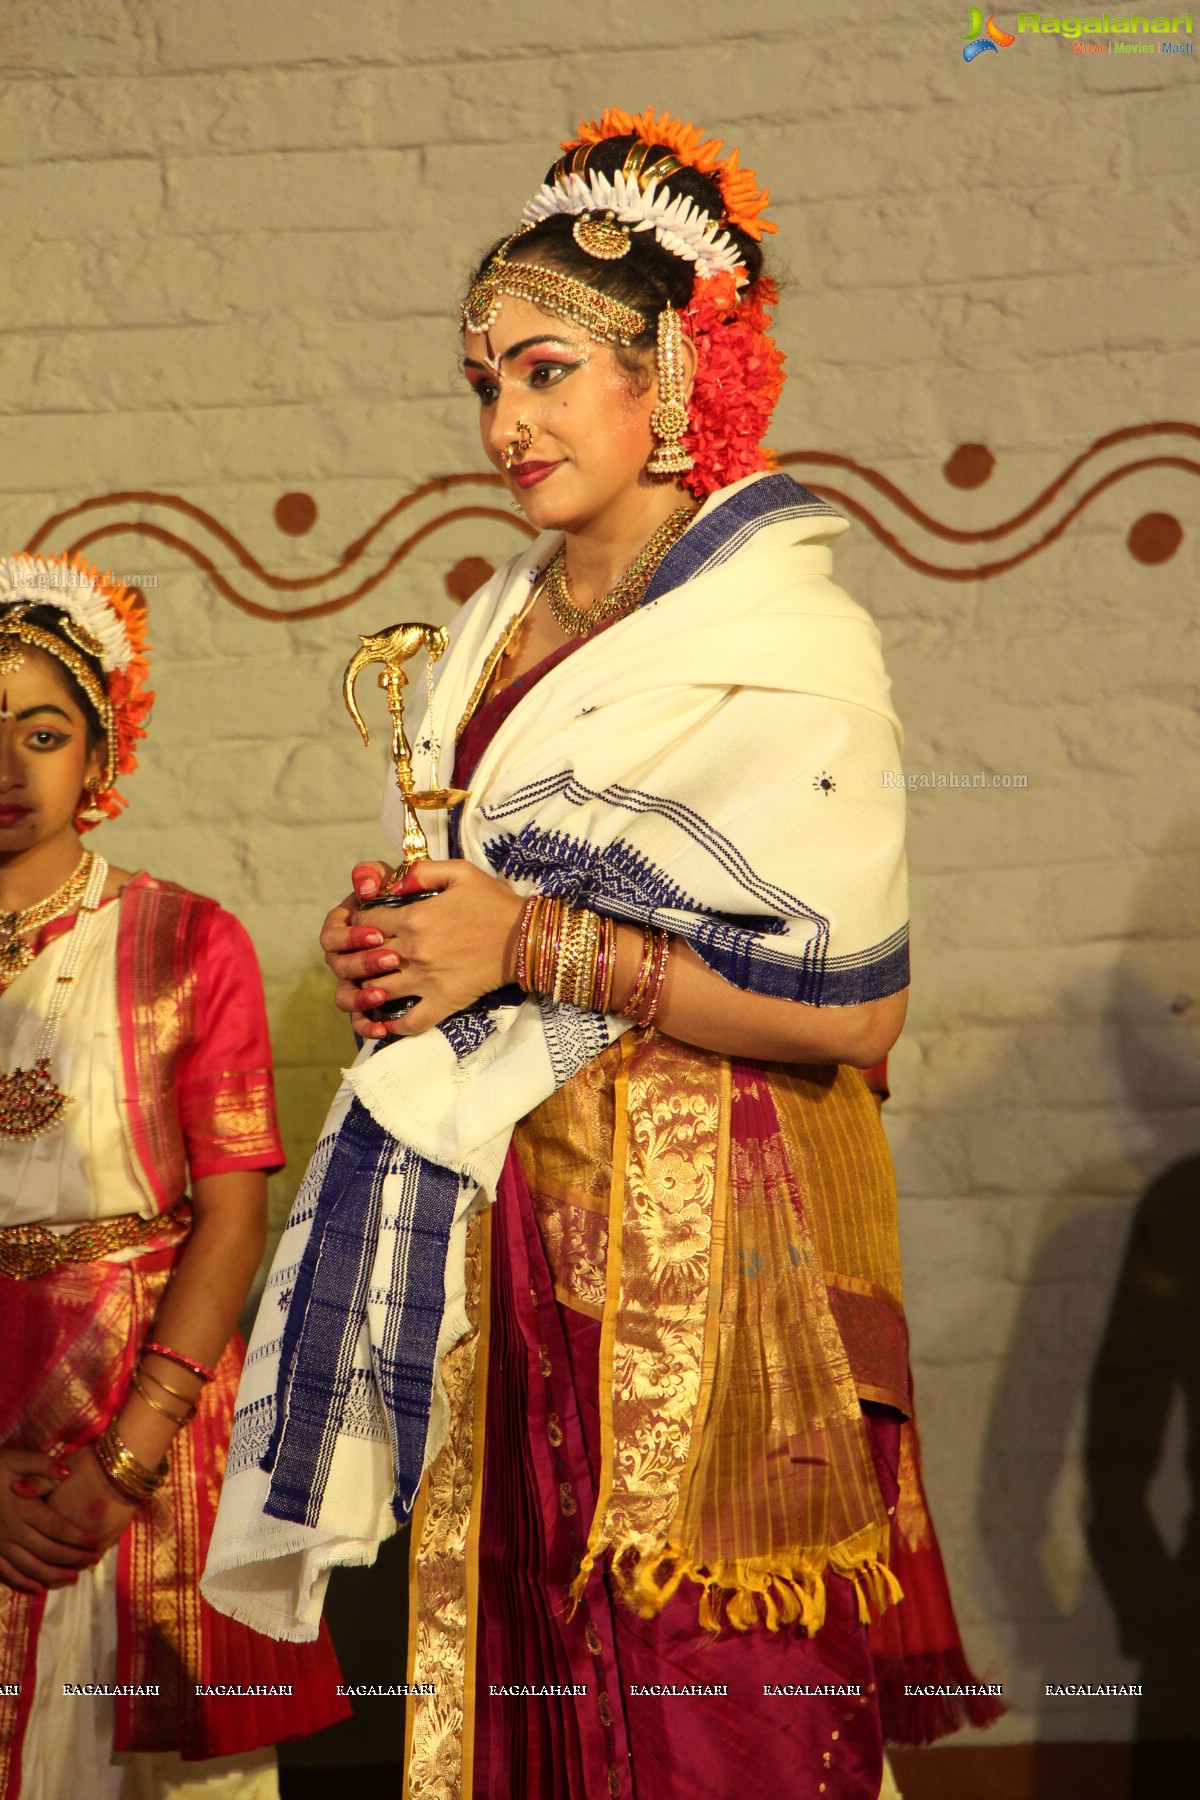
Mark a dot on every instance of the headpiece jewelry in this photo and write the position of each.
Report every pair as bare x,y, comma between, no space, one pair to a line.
741,198
600,315
101,620
679,224
716,437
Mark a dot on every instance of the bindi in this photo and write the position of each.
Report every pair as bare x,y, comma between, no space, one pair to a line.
491,361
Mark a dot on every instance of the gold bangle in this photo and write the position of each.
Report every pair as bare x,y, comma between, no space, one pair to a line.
566,957
595,938
157,1406
572,966
175,1393
585,972
131,1478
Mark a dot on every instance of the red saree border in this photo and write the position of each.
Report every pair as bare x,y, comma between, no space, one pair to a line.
156,992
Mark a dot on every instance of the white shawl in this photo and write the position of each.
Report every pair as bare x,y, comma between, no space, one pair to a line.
714,764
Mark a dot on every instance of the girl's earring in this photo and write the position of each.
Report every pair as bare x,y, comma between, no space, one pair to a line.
91,814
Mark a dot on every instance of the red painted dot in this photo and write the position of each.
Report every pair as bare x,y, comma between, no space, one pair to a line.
466,576
295,513
1154,538
969,466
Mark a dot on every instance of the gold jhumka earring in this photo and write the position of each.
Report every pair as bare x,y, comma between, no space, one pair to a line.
519,445
669,420
92,814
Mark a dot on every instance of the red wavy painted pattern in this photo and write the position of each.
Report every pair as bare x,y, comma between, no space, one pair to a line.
182,526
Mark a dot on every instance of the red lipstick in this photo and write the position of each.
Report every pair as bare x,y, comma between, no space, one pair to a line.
528,474
12,815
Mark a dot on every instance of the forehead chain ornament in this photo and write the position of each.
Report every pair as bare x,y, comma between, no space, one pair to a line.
606,320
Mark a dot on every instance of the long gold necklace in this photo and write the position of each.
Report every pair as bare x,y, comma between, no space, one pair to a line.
631,588
15,953
496,655
31,1102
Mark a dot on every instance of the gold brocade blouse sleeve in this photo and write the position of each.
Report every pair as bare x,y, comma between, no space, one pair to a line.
226,1093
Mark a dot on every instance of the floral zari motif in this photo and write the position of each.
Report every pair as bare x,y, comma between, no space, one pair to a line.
666,1246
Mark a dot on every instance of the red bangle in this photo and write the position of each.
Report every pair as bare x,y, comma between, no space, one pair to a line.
637,995
176,1356
525,931
650,1009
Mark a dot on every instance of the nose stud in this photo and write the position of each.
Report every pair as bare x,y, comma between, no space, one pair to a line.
518,445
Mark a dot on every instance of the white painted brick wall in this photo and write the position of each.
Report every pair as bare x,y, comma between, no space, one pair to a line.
232,240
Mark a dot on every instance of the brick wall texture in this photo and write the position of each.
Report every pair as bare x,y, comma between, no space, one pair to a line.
233,239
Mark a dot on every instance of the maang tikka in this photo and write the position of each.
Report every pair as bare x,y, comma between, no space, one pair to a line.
669,420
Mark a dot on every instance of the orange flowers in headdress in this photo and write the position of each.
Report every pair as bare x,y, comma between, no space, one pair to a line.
741,197
108,621
739,368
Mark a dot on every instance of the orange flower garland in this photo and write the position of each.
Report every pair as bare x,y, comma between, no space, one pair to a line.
131,699
739,368
741,197
113,617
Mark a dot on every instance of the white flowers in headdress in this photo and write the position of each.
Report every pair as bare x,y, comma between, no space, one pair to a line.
679,224
34,581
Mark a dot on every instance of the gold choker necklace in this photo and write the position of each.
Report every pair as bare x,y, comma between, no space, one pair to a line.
15,953
629,590
31,1102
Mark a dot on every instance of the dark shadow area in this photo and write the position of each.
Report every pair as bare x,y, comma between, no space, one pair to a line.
367,1614
1042,1771
382,1781
1149,1356
1104,1355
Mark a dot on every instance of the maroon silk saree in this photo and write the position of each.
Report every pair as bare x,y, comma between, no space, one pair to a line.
550,1669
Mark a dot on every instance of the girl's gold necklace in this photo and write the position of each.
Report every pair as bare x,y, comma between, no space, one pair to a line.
15,953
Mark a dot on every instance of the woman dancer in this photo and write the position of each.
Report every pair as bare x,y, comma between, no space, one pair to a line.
135,1066
648,1403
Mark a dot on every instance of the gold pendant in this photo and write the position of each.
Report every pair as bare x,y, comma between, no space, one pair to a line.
15,953
31,1103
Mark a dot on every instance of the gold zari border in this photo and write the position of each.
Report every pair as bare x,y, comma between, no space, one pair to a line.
733,1449
664,1268
443,1586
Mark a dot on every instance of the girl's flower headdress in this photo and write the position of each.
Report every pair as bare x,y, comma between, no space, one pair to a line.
101,620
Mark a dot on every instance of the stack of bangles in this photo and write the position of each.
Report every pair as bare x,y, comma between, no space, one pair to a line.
131,1478
570,953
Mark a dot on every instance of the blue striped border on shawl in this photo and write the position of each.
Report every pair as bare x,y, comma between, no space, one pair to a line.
752,953
712,540
328,1306
414,1303
562,849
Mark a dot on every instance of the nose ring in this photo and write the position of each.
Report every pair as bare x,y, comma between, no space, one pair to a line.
519,445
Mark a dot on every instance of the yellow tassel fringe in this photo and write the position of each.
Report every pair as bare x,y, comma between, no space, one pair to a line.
781,1589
